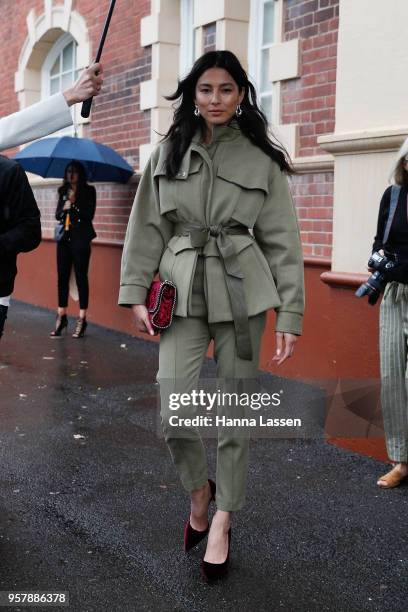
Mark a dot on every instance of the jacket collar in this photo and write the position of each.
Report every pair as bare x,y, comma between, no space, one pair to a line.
221,133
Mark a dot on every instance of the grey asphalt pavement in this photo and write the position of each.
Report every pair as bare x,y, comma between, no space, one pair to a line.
90,502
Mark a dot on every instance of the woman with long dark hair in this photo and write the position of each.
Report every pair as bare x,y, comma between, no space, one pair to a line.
75,211
213,213
391,240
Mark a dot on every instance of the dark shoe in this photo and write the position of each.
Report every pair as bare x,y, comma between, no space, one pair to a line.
3,317
192,537
214,571
81,326
60,324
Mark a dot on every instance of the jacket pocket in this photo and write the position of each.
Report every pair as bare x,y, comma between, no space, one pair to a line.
177,244
244,175
185,185
172,264
178,264
244,189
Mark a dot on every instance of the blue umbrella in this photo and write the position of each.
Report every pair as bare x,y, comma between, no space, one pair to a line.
49,157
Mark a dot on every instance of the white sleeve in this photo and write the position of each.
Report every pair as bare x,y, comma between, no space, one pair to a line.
35,121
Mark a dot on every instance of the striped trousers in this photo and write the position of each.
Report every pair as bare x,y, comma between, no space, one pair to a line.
394,369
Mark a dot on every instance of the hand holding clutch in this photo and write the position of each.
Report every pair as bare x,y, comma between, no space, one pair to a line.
160,304
141,319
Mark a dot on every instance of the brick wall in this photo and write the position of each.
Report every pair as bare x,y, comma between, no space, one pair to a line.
116,119
114,203
309,101
313,195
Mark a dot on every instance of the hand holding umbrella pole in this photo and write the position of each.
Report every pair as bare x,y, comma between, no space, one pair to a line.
86,106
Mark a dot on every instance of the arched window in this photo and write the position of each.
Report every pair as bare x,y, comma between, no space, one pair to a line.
59,70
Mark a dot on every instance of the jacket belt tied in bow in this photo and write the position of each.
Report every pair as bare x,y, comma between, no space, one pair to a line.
199,235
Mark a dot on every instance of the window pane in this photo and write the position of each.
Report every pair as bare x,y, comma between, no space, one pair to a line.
266,85
68,57
267,37
54,85
66,81
266,106
56,67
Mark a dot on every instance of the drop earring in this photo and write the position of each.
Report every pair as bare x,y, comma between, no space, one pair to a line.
238,112
197,111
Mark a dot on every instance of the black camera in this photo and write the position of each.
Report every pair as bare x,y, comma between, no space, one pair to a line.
375,284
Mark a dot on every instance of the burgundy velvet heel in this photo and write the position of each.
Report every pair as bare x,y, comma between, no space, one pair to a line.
192,537
214,571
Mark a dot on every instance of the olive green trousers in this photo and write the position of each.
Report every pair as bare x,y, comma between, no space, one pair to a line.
182,351
394,369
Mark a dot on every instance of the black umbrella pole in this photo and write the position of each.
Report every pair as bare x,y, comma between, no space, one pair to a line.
86,106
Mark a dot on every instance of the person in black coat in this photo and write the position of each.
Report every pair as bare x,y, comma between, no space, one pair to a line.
75,211
393,321
20,227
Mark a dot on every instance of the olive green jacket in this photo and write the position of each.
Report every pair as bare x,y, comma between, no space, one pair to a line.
240,184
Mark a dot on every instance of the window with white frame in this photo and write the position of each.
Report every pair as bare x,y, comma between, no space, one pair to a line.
261,38
59,71
187,36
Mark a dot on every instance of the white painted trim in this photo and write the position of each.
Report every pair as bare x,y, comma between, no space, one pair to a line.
67,13
162,29
159,27
208,11
254,47
279,26
28,81
149,30
288,135
30,21
284,60
277,89
199,42
152,93
187,36
253,41
277,103
37,27
233,35
56,50
58,47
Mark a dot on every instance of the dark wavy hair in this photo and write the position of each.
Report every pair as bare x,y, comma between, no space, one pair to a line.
252,122
400,173
82,178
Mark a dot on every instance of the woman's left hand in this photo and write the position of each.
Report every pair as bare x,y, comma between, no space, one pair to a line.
285,345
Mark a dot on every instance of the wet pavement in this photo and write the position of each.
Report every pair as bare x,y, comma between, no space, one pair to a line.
91,504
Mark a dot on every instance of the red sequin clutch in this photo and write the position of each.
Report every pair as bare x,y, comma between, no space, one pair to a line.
160,303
